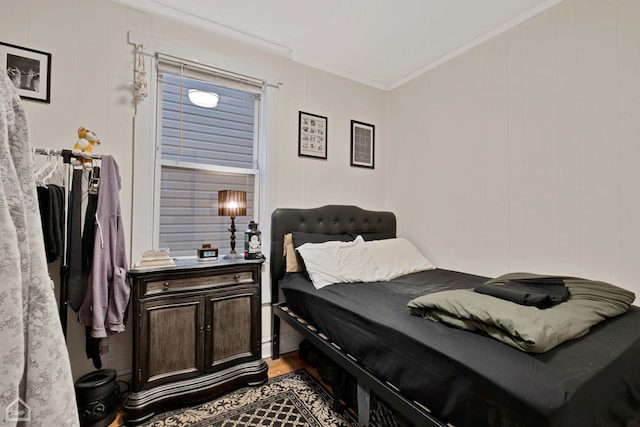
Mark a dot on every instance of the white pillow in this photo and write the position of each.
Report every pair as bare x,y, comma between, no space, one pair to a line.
338,262
359,261
356,263
396,257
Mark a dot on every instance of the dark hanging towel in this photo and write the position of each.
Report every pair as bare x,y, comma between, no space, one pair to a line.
92,348
52,214
74,249
92,345
58,216
88,238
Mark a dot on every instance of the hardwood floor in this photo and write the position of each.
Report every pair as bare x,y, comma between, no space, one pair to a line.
287,362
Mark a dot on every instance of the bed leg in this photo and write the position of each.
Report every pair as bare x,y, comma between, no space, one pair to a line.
364,401
275,338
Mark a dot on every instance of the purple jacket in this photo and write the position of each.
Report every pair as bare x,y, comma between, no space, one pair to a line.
105,306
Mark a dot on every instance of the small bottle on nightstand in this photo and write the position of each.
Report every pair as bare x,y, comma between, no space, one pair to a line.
207,253
252,246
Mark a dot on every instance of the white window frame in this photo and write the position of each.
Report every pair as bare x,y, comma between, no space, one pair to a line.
173,66
145,233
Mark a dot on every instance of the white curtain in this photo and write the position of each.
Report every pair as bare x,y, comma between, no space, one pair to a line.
36,387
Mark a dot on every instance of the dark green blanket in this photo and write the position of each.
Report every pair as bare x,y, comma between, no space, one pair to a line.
525,327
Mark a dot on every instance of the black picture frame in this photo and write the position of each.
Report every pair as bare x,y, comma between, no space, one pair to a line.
362,144
312,135
29,71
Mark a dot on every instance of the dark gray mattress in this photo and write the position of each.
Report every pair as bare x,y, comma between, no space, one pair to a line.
465,378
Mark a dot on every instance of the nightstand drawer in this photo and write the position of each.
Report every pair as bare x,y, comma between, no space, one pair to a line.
169,285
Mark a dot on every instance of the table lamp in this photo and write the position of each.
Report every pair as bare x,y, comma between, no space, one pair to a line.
232,203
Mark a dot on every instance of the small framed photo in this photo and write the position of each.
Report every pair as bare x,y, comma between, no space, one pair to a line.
362,144
312,135
29,70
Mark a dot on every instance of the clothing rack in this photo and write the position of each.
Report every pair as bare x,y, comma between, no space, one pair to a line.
66,155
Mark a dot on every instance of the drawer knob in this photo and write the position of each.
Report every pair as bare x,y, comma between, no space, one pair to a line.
236,277
165,287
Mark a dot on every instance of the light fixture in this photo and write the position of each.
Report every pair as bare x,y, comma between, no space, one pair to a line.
232,203
202,98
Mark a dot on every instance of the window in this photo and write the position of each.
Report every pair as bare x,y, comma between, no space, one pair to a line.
200,151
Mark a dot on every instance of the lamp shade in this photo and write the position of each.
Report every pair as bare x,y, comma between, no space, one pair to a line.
232,203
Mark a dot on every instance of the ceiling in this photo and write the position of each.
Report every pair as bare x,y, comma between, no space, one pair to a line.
381,43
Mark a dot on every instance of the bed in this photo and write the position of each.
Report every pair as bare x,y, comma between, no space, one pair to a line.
437,375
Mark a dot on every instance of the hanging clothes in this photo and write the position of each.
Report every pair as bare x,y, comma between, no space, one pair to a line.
36,373
89,207
92,345
76,288
52,212
107,301
81,239
81,236
51,200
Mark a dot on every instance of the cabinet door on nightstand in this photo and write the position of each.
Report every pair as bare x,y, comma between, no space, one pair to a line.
232,328
172,340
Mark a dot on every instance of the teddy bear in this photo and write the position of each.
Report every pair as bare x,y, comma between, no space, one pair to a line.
86,140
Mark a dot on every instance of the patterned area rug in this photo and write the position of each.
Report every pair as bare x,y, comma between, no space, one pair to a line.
291,400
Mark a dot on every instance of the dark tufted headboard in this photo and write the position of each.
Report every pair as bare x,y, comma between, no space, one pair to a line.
329,219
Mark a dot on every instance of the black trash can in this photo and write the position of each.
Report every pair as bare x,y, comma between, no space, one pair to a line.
96,398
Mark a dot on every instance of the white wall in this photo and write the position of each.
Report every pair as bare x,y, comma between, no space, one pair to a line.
519,155
92,77
522,154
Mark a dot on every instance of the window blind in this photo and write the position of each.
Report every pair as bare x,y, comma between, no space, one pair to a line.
202,151
217,76
222,136
189,210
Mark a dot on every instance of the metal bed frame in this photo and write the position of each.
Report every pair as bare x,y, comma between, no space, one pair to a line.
336,219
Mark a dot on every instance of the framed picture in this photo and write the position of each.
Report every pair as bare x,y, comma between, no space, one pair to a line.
29,70
362,144
312,135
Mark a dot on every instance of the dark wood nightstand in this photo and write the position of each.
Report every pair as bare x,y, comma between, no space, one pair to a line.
196,336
